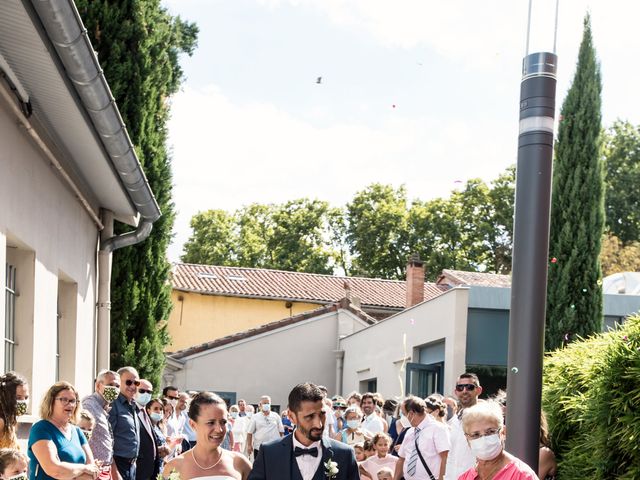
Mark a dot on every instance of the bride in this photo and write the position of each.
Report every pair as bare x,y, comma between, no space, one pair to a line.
208,460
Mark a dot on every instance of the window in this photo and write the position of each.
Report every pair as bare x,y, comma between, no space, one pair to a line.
10,318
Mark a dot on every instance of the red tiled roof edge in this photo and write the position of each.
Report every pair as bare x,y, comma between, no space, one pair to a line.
343,304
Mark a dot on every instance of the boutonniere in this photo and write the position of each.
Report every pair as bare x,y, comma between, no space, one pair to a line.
331,469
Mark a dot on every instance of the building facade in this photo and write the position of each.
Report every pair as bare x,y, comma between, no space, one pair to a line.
67,171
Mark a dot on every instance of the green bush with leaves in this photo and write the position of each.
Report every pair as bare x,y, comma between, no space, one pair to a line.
591,396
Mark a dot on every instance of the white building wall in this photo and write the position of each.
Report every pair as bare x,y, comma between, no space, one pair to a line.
271,363
379,350
44,229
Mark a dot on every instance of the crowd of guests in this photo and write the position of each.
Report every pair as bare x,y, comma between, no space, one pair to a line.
121,432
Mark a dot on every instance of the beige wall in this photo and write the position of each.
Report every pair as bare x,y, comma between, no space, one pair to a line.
270,363
52,241
199,318
378,351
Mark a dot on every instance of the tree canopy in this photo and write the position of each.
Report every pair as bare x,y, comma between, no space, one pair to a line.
372,235
574,292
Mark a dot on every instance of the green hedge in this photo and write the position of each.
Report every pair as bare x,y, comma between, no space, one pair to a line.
591,395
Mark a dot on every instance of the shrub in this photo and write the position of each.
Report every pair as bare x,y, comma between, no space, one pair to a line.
591,395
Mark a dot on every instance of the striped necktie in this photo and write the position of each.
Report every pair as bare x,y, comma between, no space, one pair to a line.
413,459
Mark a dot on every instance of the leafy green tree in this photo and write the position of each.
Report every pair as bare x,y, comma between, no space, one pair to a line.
470,230
298,240
574,294
622,202
213,240
292,236
617,257
377,232
138,45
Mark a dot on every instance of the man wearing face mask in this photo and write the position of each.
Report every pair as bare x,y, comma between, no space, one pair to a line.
172,394
423,454
264,426
146,461
125,424
107,389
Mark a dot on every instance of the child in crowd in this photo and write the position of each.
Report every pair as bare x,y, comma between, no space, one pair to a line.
13,464
374,464
86,423
385,474
360,455
369,450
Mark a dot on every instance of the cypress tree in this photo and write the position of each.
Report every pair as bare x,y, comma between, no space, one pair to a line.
138,44
574,292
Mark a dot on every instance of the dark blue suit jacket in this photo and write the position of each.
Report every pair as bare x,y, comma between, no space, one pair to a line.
276,461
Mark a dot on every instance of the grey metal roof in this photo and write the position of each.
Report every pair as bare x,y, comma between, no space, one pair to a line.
57,110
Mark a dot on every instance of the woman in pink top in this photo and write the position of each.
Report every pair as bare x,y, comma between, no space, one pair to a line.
370,467
484,429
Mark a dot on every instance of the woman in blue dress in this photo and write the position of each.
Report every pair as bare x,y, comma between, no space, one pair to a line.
57,448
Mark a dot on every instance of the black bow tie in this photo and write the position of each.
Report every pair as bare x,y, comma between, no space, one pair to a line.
305,451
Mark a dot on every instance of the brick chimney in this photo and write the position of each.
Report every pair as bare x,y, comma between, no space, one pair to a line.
415,280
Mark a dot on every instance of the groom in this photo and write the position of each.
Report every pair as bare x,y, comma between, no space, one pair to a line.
305,454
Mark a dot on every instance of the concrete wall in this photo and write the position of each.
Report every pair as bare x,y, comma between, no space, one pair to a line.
51,240
270,363
202,318
379,350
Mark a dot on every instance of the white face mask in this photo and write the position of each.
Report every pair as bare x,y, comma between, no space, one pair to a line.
405,421
486,448
249,414
353,424
266,407
143,398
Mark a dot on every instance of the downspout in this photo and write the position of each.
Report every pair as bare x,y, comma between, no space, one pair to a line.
64,27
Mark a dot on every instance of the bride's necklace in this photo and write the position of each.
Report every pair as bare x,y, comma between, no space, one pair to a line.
200,466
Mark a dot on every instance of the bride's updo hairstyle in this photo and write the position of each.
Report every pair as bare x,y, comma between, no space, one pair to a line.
204,398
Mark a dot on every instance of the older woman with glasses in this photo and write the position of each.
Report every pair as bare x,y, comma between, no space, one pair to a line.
483,426
57,448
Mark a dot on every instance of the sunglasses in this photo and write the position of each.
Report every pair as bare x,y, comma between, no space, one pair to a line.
130,382
142,390
470,387
172,398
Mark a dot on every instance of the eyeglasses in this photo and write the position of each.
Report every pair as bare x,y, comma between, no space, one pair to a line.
470,387
142,390
487,433
172,398
67,401
130,382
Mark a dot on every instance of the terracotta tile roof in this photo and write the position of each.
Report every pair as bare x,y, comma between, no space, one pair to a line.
454,278
294,286
268,327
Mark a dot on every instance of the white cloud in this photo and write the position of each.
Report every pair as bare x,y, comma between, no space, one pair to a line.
227,155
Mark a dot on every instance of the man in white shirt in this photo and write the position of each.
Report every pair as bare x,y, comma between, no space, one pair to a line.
265,426
371,421
461,458
426,444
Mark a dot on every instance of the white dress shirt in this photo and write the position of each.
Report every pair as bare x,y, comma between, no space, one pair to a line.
432,441
460,458
307,464
373,423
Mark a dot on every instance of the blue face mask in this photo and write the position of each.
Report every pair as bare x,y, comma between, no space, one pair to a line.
353,424
155,416
143,398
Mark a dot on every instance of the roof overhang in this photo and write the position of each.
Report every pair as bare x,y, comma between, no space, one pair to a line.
59,114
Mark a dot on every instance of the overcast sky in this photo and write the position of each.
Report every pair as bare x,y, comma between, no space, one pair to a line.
415,92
